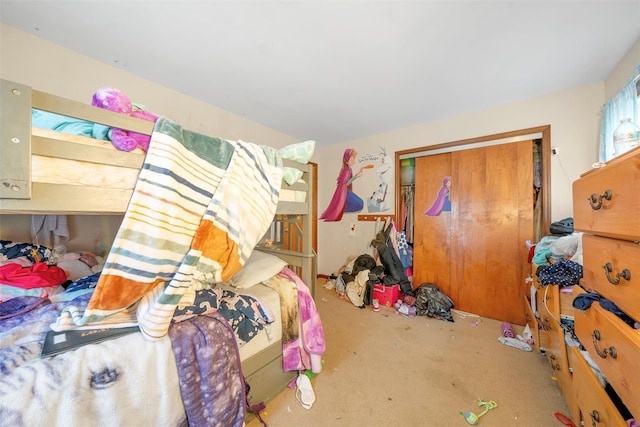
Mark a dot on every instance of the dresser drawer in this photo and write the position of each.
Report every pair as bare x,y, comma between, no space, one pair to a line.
566,304
532,322
594,403
615,347
623,257
565,383
557,350
606,201
548,303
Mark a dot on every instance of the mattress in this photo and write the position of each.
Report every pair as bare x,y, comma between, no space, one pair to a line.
273,331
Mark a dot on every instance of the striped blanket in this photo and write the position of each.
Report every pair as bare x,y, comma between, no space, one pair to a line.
199,207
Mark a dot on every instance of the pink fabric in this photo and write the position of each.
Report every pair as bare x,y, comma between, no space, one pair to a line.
335,210
39,275
305,352
507,330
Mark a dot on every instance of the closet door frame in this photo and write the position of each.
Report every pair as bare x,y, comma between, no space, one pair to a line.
544,131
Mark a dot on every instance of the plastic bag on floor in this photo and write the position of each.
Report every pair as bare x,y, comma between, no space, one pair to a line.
430,301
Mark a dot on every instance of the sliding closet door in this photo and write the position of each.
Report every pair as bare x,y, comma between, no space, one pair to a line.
432,233
491,220
474,247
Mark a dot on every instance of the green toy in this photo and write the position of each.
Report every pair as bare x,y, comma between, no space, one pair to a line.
473,418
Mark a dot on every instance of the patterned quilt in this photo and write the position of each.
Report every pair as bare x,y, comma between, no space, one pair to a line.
199,207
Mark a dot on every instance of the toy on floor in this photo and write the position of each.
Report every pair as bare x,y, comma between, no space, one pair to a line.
406,310
118,101
507,330
473,418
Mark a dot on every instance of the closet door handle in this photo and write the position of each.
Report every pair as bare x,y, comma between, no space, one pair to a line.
607,351
596,201
624,274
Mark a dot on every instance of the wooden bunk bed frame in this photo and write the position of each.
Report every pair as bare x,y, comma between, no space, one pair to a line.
48,172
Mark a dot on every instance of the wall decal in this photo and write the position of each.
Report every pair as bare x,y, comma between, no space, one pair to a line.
442,202
344,199
382,199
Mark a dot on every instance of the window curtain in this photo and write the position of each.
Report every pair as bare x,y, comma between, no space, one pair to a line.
624,104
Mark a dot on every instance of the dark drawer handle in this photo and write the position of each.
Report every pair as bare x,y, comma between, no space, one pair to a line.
596,201
624,274
554,366
607,351
595,418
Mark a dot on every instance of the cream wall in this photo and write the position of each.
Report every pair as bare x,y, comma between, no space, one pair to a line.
574,118
50,68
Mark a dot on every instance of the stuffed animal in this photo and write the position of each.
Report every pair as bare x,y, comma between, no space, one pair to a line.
114,100
75,264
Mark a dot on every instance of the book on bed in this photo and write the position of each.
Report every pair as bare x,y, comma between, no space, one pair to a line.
59,342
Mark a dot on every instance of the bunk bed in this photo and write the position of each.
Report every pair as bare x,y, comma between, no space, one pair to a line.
45,172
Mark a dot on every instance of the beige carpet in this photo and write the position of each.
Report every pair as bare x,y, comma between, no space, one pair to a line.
384,369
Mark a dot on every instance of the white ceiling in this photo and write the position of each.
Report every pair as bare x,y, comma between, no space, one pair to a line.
339,70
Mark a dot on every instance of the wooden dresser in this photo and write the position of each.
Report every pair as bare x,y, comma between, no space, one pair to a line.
549,318
606,208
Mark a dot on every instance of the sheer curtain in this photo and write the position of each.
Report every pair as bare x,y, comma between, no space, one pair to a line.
624,104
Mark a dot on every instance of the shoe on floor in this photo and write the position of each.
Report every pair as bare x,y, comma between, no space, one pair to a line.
516,343
304,391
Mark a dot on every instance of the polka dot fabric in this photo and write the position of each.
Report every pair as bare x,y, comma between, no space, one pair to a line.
561,273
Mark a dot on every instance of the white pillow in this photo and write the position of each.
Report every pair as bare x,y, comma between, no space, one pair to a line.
300,152
259,267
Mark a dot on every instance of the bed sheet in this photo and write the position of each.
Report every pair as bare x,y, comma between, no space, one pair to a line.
273,331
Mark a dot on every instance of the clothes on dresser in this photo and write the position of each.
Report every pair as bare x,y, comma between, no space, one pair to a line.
584,301
542,251
561,273
557,248
568,247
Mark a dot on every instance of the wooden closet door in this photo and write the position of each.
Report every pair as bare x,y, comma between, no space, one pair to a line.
492,217
432,234
476,253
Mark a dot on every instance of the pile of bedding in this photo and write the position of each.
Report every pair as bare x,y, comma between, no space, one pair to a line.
185,374
129,380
